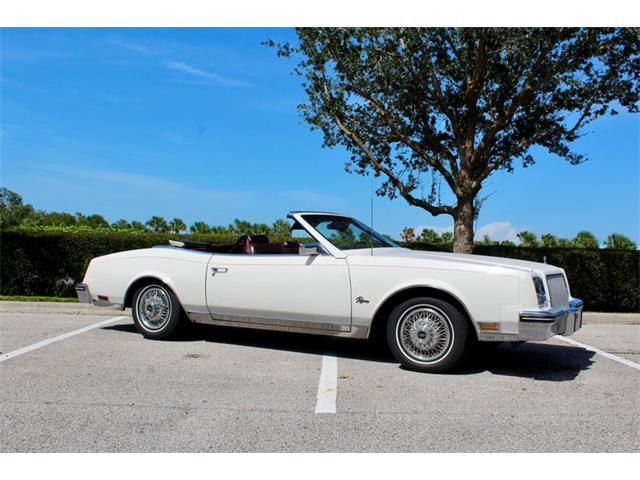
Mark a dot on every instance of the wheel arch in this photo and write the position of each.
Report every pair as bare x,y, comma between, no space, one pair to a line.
142,281
381,315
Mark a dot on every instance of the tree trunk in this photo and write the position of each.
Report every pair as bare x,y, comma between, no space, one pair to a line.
463,226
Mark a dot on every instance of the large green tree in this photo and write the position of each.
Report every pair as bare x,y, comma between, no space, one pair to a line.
426,106
13,211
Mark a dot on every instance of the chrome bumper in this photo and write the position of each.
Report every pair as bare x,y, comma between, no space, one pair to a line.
543,324
82,290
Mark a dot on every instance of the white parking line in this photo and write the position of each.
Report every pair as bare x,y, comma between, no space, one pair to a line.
608,355
49,341
328,384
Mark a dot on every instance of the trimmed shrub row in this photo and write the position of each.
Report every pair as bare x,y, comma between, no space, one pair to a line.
607,280
51,263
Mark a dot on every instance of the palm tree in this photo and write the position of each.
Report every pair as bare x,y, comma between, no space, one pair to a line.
620,242
446,237
549,240
528,239
200,227
177,225
220,230
121,224
429,235
280,228
260,228
586,239
408,234
241,227
158,224
138,226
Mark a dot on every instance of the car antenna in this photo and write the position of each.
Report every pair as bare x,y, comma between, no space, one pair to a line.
371,222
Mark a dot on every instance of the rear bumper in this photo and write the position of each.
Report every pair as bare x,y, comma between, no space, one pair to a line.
82,290
84,295
543,324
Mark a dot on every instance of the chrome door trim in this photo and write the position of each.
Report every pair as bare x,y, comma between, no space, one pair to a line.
275,324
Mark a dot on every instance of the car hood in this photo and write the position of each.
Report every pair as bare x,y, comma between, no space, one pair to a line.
459,258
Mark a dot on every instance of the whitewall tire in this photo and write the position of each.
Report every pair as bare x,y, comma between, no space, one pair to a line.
156,312
428,335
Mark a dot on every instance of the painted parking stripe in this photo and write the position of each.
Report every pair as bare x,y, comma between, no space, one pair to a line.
328,384
49,341
608,355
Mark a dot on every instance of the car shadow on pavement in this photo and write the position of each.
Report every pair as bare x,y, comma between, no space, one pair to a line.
539,361
272,340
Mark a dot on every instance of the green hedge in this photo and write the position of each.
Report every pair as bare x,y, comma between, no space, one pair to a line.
607,280
51,263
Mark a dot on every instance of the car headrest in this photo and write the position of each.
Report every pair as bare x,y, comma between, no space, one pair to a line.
258,238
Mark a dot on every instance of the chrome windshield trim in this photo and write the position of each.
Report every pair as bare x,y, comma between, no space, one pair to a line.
328,246
299,217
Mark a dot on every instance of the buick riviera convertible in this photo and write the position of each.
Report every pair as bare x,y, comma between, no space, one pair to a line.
348,282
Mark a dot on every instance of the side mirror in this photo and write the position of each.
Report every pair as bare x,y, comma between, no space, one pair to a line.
309,249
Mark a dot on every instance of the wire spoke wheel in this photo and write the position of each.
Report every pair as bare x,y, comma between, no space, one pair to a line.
154,308
425,333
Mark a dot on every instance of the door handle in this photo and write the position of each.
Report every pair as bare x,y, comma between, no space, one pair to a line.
215,270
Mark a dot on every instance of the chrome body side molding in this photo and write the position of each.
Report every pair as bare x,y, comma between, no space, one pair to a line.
327,329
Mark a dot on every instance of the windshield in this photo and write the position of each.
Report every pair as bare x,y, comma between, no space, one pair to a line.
347,233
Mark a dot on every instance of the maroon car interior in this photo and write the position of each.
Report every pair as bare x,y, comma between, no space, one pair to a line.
253,244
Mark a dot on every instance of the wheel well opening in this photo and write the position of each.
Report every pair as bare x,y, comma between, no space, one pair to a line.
379,323
141,282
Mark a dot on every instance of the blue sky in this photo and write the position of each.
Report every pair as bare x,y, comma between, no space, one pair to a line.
202,124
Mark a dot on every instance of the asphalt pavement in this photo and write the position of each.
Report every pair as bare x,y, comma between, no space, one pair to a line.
76,378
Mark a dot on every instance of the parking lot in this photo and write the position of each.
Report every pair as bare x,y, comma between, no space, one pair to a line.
105,388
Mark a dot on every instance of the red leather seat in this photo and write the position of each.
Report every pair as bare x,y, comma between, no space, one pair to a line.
257,244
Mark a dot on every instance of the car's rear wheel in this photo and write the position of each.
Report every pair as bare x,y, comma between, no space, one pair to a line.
156,311
428,335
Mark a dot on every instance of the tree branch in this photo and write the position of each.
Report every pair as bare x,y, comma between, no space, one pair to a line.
520,148
449,178
384,113
508,114
379,167
474,86
578,124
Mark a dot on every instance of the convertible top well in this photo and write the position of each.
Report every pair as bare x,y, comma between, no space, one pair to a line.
247,244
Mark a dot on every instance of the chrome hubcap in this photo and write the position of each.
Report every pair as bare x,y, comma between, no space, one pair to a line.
425,333
154,308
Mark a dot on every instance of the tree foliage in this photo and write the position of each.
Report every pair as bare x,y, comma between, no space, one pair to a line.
158,224
586,240
408,234
528,239
12,211
15,215
430,106
177,225
617,241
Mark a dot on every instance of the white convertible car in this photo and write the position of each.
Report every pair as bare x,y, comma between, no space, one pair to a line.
351,282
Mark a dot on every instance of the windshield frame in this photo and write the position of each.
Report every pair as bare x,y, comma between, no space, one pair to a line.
304,220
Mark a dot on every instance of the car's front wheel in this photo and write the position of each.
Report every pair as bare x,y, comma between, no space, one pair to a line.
156,312
428,335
